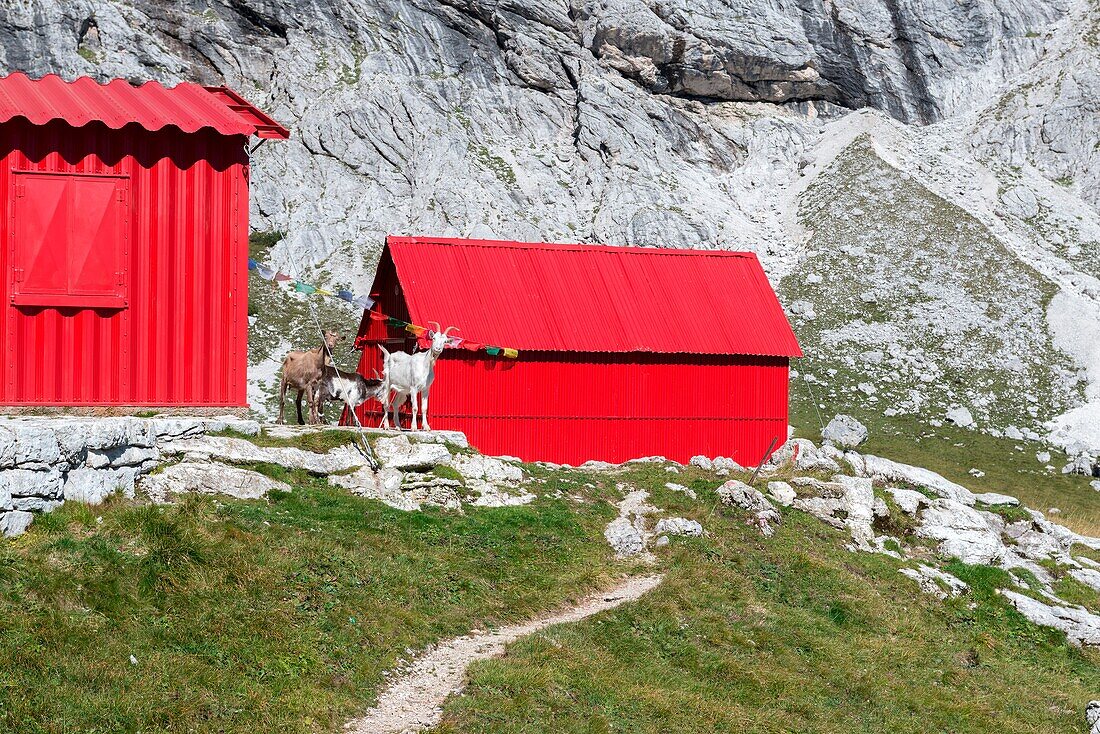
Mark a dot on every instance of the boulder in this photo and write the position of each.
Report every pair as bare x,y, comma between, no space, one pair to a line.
398,452
27,483
960,416
722,463
702,462
859,502
763,514
209,478
802,455
1082,464
992,499
15,522
92,486
845,431
624,538
962,533
1092,717
783,493
678,526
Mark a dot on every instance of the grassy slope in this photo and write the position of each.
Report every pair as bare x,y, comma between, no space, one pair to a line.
788,634
260,616
281,616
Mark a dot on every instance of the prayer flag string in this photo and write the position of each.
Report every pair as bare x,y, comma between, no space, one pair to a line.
423,334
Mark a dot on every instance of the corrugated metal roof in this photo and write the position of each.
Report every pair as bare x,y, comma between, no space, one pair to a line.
594,298
187,106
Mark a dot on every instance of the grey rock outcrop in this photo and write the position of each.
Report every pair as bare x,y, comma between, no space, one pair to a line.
1081,626
209,478
845,432
762,514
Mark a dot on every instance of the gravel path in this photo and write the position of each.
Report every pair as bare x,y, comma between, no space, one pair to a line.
414,701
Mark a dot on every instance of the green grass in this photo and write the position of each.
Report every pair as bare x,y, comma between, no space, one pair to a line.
282,615
781,635
274,616
321,441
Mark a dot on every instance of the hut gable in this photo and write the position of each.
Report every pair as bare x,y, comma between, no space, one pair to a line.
623,352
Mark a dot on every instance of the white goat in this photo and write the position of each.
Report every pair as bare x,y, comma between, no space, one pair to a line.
410,376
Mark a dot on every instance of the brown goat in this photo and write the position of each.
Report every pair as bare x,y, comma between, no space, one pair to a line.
301,371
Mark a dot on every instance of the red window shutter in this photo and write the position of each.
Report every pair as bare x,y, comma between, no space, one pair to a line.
71,240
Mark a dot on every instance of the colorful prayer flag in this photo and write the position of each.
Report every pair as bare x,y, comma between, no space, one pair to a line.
252,264
378,316
364,302
304,287
493,350
282,277
414,329
396,323
471,346
512,353
323,292
265,272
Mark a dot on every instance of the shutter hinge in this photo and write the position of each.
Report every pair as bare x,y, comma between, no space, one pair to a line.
20,190
121,195
17,274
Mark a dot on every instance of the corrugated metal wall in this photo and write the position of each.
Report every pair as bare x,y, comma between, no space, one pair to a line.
182,339
569,408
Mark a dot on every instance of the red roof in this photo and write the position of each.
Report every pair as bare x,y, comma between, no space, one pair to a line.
593,298
188,106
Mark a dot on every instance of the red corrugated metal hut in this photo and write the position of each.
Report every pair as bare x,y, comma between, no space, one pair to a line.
124,221
623,351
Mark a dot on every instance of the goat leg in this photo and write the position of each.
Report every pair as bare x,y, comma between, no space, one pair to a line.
298,404
282,396
424,410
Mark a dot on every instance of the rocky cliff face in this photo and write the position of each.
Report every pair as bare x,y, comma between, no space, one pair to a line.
682,123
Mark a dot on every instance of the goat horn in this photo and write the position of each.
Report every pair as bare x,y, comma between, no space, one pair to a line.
449,329
436,325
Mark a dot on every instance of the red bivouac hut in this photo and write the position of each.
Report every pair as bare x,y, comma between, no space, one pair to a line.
624,352
124,222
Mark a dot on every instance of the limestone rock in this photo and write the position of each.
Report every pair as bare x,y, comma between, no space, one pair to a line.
763,514
845,431
702,462
802,455
243,451
960,416
27,483
399,453
783,493
623,537
1092,717
678,526
886,470
682,489
209,478
908,500
15,522
935,582
963,533
993,499
92,486
1081,626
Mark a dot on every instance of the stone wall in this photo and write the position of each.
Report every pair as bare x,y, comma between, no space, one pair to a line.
46,461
